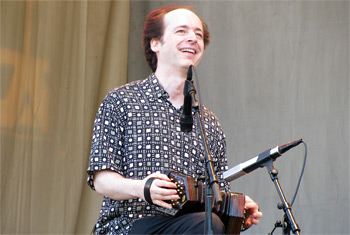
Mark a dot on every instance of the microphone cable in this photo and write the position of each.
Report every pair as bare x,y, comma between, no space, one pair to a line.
198,92
301,175
201,112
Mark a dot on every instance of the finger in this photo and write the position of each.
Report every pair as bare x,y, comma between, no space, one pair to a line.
250,202
247,223
165,197
162,176
164,184
254,218
251,205
258,214
160,193
250,221
163,191
162,204
158,175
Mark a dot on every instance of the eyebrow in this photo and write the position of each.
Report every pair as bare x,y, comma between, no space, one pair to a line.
185,26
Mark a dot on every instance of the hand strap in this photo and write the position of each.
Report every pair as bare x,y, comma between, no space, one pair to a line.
146,190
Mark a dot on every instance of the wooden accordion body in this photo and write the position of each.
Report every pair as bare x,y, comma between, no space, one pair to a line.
192,199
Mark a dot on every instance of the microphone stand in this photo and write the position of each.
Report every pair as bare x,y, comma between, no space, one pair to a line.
212,185
289,221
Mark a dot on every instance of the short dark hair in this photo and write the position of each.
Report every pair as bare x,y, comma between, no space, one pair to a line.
154,29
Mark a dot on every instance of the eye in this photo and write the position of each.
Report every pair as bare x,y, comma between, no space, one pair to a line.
199,35
180,31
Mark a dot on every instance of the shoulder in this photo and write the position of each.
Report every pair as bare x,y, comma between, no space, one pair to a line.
122,94
125,90
209,116
212,122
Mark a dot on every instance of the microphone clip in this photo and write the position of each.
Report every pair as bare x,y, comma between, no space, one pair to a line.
189,89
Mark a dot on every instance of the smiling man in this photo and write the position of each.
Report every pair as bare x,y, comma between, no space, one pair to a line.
137,136
180,45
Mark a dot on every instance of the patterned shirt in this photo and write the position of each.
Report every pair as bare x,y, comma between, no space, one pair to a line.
136,133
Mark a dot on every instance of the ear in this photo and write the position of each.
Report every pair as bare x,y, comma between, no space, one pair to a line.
155,45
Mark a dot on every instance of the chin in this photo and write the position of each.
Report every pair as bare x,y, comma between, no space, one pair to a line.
192,63
186,66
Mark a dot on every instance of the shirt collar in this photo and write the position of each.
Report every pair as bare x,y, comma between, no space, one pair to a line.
153,89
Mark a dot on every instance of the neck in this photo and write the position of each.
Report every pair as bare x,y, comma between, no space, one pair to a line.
173,83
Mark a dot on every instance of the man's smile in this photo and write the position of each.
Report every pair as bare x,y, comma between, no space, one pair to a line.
189,50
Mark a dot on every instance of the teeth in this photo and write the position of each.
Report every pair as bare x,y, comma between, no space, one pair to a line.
188,50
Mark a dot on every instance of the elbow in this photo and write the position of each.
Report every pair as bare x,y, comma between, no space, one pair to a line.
105,183
98,183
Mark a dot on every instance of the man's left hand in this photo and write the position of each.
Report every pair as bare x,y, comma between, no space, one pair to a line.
252,212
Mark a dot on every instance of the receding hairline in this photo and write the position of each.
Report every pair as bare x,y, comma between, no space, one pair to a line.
183,9
187,10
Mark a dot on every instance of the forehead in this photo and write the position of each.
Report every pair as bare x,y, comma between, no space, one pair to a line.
182,17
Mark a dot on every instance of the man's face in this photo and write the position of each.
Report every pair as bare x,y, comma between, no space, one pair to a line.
182,42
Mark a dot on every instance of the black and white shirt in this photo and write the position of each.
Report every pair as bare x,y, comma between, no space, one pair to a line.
136,133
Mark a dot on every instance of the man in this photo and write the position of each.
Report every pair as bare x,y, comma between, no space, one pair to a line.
137,136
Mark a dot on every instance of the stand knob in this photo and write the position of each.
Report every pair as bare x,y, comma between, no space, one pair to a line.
280,205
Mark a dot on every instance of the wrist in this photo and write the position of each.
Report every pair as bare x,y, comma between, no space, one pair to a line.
136,189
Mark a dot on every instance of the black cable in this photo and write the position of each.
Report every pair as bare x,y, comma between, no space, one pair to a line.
198,91
301,174
199,95
305,155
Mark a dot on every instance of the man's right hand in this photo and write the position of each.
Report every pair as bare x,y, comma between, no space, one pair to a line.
161,190
113,185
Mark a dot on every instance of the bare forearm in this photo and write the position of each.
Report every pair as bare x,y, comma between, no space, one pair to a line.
117,187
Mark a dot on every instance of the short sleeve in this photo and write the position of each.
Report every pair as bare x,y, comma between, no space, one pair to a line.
108,138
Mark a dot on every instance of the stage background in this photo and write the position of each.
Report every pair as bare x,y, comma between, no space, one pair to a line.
274,71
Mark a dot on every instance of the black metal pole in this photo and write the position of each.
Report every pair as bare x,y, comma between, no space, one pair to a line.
289,219
212,185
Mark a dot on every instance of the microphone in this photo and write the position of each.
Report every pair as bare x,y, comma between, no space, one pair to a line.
259,161
186,119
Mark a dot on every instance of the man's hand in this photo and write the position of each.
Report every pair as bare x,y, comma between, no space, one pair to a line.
162,189
252,212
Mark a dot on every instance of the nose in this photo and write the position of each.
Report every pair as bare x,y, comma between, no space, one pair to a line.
192,37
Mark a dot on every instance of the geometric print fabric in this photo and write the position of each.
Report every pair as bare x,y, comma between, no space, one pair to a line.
136,133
